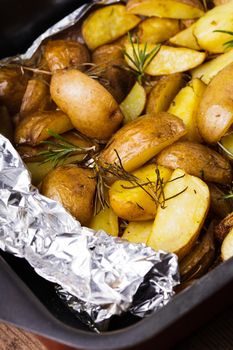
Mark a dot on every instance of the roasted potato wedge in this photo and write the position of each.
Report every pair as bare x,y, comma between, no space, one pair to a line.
74,188
177,226
198,160
218,205
107,24
227,247
141,139
34,128
168,59
138,232
90,107
135,203
105,220
224,227
180,9
61,54
186,38
134,103
185,106
215,112
163,93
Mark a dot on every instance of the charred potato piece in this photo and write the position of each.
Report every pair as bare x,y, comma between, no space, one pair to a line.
91,108
198,160
227,247
74,188
34,128
219,206
61,54
224,227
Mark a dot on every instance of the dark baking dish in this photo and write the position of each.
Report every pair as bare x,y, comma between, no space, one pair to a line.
30,302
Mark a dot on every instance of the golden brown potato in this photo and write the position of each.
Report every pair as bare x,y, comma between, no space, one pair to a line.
227,247
91,108
141,139
61,54
224,227
186,38
163,93
13,83
198,160
219,206
215,112
197,262
74,188
6,125
34,128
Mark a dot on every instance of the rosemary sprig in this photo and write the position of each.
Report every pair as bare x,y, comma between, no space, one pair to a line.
141,58
227,44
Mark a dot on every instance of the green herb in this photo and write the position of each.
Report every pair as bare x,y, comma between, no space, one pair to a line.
227,44
141,58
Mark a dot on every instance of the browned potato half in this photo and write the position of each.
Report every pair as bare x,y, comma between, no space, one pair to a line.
61,54
91,108
181,9
197,262
163,93
224,227
74,188
215,113
219,206
13,83
198,160
34,128
107,24
141,139
36,97
227,247
156,30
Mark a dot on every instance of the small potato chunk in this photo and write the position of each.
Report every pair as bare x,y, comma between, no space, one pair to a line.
141,139
90,107
13,84
134,103
138,232
34,128
197,160
105,220
224,227
74,188
185,38
177,227
215,112
156,30
207,71
181,9
227,247
61,54
218,205
185,106
107,24
219,18
168,60
163,93
135,203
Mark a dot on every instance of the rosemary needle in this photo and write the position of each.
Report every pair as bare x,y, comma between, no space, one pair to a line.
227,44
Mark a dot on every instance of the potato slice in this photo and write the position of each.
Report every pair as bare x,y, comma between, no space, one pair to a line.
224,227
107,24
74,188
185,106
105,220
227,247
90,107
156,30
215,112
134,103
207,71
134,203
219,18
198,160
186,38
177,227
138,232
163,93
180,9
34,128
141,139
168,60
219,206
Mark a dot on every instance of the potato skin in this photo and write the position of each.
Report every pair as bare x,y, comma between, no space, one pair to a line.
141,139
224,227
61,54
218,205
90,107
197,160
74,188
215,112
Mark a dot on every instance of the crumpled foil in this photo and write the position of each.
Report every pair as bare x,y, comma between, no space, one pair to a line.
97,276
